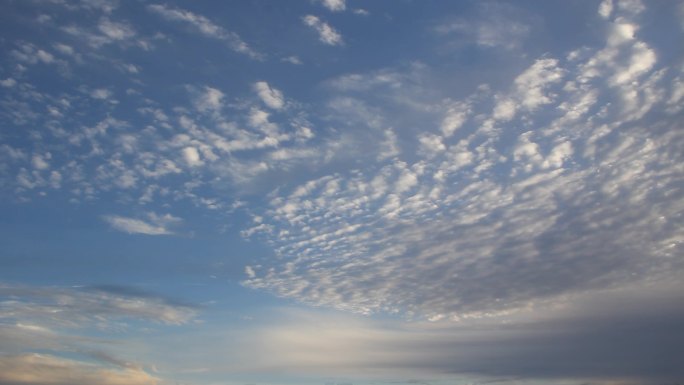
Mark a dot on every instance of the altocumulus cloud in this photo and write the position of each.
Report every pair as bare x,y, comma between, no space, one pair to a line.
499,215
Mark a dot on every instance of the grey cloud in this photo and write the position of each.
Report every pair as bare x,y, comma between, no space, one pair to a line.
627,336
58,321
68,307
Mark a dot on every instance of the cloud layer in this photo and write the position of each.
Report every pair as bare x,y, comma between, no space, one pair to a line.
481,193
499,214
67,326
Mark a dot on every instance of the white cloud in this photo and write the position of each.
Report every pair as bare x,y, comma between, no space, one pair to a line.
531,85
28,53
293,60
605,8
631,7
566,180
676,99
115,30
558,155
431,144
455,117
326,33
192,157
12,153
269,95
389,147
154,225
621,32
40,161
642,60
492,26
101,93
334,5
9,82
209,100
205,27
65,49
504,109
55,179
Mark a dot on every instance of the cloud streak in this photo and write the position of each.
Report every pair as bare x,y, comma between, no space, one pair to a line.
326,34
35,369
595,340
155,224
206,27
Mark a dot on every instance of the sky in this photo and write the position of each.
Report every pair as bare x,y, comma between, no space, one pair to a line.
341,192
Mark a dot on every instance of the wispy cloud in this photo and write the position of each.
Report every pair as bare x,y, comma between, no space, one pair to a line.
326,33
57,319
154,224
108,32
206,27
493,25
88,306
595,340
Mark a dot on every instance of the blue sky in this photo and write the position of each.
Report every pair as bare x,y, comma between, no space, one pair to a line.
341,192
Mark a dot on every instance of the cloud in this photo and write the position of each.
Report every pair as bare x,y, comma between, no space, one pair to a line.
326,33
37,369
101,93
30,54
492,25
505,199
206,27
292,60
9,82
60,322
108,32
81,308
389,147
154,225
598,340
210,99
115,30
605,8
454,118
334,5
192,157
40,161
272,97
